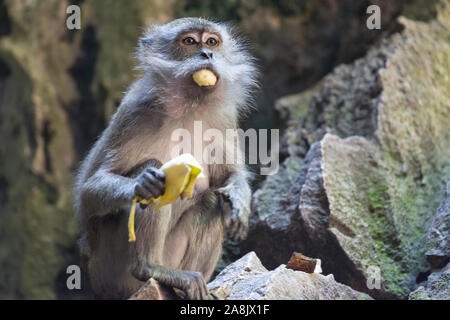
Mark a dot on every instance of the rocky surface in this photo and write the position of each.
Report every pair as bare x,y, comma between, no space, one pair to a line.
247,279
438,241
437,287
368,155
247,266
153,290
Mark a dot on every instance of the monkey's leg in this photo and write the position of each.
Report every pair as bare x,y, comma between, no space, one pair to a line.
181,247
190,282
203,226
195,241
149,253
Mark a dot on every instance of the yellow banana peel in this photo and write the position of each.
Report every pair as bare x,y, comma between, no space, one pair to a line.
181,174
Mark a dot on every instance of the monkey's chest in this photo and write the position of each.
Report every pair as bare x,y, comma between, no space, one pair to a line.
204,143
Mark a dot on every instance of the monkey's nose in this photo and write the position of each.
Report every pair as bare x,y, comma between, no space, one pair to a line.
206,54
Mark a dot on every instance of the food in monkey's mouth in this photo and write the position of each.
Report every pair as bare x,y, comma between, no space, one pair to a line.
204,78
181,174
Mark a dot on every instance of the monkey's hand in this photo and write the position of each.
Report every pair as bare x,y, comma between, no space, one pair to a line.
150,184
236,210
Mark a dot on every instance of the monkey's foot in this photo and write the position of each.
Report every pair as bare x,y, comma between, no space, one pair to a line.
194,286
191,283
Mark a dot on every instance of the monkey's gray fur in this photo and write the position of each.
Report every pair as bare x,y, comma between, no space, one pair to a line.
180,244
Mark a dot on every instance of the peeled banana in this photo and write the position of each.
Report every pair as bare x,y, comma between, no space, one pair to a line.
181,174
204,78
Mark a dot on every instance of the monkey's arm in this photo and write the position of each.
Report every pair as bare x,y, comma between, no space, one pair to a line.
105,191
235,198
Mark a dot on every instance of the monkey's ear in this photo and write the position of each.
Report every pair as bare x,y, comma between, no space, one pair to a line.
145,42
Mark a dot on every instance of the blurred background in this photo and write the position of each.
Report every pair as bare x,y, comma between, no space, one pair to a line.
59,87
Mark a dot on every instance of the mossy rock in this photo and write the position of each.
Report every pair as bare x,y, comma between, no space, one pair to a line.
384,159
57,90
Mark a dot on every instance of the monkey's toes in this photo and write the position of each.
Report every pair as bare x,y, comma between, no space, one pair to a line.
195,287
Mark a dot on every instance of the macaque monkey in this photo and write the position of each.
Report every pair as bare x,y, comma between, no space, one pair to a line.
179,244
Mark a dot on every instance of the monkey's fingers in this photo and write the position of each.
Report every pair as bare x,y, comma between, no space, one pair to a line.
195,286
155,187
238,228
194,292
234,224
205,293
227,211
158,174
201,292
242,232
234,231
142,192
233,235
154,181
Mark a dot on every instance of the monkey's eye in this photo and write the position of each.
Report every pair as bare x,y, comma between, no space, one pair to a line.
211,42
189,41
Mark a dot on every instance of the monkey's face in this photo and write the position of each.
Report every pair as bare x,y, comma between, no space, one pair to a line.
173,52
198,42
199,49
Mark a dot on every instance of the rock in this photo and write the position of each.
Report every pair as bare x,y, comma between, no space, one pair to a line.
378,159
438,241
248,265
275,214
247,279
437,287
153,290
299,262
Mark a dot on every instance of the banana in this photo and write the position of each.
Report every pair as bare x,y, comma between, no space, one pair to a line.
181,174
204,78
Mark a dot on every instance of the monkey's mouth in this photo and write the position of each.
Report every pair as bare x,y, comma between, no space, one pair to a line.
205,77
